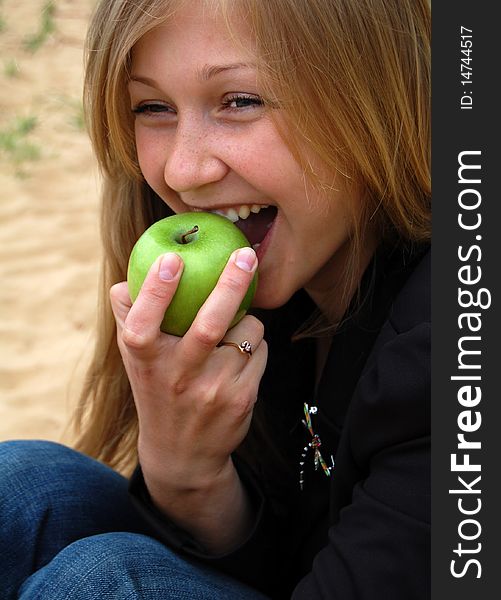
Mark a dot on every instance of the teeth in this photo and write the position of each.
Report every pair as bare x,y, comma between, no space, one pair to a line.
230,214
243,211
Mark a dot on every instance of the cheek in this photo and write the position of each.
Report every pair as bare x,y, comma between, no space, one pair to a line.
268,166
260,150
150,158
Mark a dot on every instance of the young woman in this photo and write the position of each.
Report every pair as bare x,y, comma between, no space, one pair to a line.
300,470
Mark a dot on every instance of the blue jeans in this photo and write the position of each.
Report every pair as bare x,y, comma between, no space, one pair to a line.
68,530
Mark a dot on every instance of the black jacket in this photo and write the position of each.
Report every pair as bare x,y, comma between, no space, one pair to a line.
364,531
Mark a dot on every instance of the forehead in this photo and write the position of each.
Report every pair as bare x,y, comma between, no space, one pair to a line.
192,31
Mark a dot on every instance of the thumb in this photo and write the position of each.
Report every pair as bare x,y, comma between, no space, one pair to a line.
120,303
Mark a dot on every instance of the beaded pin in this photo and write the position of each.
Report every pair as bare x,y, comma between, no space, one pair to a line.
314,445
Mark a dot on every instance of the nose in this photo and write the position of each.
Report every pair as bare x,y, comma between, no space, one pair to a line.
193,156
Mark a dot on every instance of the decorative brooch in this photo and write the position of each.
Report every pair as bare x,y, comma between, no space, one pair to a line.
314,445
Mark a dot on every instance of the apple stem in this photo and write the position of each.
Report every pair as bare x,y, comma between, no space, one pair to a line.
185,235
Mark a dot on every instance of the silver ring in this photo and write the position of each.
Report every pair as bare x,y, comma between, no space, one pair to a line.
244,347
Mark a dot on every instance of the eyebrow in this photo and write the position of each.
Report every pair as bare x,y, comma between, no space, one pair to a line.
209,71
206,73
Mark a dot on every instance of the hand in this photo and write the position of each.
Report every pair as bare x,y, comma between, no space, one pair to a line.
194,399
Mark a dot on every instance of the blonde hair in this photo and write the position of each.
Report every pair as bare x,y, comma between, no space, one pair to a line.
353,80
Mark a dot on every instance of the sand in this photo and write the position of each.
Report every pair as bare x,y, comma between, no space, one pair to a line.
49,195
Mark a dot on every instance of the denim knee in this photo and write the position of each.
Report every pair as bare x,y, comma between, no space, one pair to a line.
28,470
21,459
24,455
106,566
129,566
15,454
51,496
34,472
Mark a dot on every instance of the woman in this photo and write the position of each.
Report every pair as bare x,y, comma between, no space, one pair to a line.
301,470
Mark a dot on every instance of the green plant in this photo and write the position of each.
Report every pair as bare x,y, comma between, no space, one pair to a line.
3,22
15,146
77,118
47,26
11,68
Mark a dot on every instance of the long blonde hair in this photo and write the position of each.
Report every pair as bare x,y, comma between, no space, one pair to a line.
353,80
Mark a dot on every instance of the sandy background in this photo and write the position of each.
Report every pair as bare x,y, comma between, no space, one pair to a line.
49,189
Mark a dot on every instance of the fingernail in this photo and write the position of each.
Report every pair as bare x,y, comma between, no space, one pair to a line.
245,259
169,266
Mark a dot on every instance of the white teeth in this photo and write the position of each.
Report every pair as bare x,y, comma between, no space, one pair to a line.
256,246
230,214
244,211
241,212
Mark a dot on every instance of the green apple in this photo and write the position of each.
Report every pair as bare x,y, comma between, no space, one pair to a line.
204,241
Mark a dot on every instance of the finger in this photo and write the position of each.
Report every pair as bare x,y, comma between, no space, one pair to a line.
249,327
218,311
254,367
120,303
245,385
142,324
244,337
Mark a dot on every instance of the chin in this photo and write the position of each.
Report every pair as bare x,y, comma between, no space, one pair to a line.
269,301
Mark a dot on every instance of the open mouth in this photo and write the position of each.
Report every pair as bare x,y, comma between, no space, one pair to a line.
254,221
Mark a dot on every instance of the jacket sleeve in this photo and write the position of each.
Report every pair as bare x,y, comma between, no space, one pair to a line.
379,547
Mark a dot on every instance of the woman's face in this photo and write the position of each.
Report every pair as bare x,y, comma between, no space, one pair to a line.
205,141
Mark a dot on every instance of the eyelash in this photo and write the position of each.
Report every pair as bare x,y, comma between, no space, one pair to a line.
152,108
253,101
149,107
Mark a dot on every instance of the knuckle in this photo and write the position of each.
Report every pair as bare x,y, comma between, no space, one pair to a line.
133,341
244,407
156,294
256,325
230,284
210,401
261,353
206,335
180,386
115,292
118,295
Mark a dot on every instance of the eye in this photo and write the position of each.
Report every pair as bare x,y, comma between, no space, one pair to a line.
239,102
151,109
